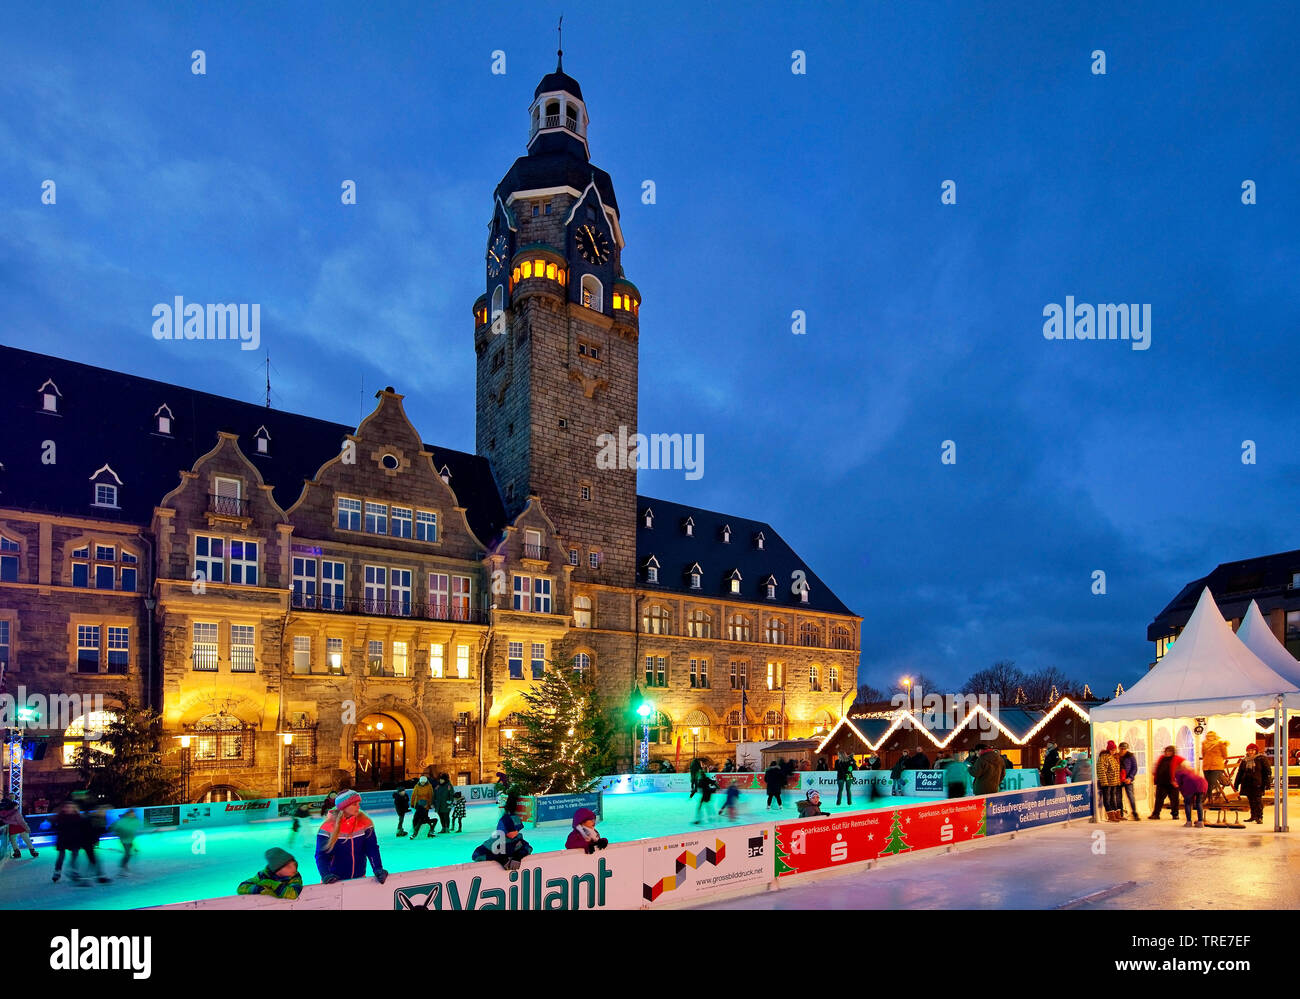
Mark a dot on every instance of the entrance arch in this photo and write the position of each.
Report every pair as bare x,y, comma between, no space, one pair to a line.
378,752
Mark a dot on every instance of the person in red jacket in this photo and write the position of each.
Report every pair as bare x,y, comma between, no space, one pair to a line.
346,841
585,835
1194,788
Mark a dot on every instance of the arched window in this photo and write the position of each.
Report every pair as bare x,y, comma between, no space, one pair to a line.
809,634
592,292
773,725
739,629
695,726
841,638
699,624
552,114
814,677
582,612
219,738
661,729
96,723
582,665
833,675
498,301
734,727
656,621
775,631
220,792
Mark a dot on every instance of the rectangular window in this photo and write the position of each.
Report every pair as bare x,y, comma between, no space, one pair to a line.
376,589
739,675
376,518
460,598
4,645
542,596
426,526
105,495
334,654
399,659
81,574
573,556
435,661
833,675
128,558
656,671
375,657
586,492
302,654
243,562
331,585
87,648
462,661
814,678
539,660
593,560
241,648
104,577
438,596
105,553
119,649
349,514
304,583
523,593
205,647
775,676
210,558
700,673
401,522
515,660
399,592
128,579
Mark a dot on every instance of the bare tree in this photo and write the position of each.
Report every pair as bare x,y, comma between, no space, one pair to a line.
1003,678
1039,684
868,694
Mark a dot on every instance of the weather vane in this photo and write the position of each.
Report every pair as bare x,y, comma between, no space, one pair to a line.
559,53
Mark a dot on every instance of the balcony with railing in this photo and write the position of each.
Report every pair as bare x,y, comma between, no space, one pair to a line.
555,121
227,506
429,611
539,553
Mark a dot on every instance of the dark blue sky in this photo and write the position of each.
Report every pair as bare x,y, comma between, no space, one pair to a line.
776,192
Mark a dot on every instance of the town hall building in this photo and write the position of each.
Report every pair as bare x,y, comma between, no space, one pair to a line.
307,603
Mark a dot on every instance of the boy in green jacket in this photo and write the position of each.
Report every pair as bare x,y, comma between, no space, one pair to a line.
280,877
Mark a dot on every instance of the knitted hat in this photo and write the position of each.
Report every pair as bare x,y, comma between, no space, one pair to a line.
346,798
424,779
1110,746
277,858
813,793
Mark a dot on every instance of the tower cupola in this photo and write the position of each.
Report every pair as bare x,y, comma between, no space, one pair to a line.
558,108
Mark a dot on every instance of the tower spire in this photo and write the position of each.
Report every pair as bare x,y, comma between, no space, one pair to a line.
559,52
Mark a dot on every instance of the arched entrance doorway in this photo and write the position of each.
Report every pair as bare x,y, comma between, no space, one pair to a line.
378,752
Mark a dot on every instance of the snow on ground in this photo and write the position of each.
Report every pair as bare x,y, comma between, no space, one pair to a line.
169,866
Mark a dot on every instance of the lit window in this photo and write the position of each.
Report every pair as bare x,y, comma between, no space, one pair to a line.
399,659
241,648
462,662
460,598
833,675
582,612
550,271
582,665
375,657
526,268
656,621
700,674
435,660
334,654
699,624
775,676
204,648
735,586
814,677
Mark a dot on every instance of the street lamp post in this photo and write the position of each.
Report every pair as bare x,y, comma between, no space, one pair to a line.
287,790
645,711
695,742
907,685
185,765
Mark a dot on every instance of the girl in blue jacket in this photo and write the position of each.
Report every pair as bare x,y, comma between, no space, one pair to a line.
346,841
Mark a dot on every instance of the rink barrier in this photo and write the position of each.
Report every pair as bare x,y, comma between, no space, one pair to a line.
710,863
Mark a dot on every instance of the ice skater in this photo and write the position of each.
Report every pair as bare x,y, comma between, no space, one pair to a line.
401,805
442,801
506,845
345,842
730,802
300,812
126,828
421,801
706,786
11,819
458,811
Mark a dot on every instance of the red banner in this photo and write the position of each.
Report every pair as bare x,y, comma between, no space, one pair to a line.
820,844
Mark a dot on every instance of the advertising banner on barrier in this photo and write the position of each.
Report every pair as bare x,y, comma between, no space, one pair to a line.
226,813
1041,806
746,782
715,860
161,815
819,844
560,807
643,783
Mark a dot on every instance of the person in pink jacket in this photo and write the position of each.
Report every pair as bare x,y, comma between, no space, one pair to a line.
584,835
1194,787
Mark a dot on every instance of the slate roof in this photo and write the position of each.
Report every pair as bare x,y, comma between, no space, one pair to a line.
107,417
556,159
676,552
559,80
1266,580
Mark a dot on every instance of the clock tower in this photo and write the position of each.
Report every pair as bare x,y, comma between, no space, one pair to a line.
555,334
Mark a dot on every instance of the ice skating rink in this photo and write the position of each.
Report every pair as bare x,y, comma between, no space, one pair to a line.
180,866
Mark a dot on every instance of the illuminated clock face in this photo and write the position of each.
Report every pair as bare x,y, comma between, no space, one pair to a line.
496,255
593,244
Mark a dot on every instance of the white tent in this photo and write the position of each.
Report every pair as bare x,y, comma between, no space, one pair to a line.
1208,671
1259,638
1208,678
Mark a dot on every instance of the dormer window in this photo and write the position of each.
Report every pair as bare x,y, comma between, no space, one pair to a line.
758,540
696,575
734,581
649,518
726,534
263,438
105,484
163,420
652,570
770,586
445,474
50,395
803,595
688,526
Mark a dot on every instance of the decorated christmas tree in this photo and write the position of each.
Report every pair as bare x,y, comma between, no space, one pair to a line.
565,742
896,843
125,763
